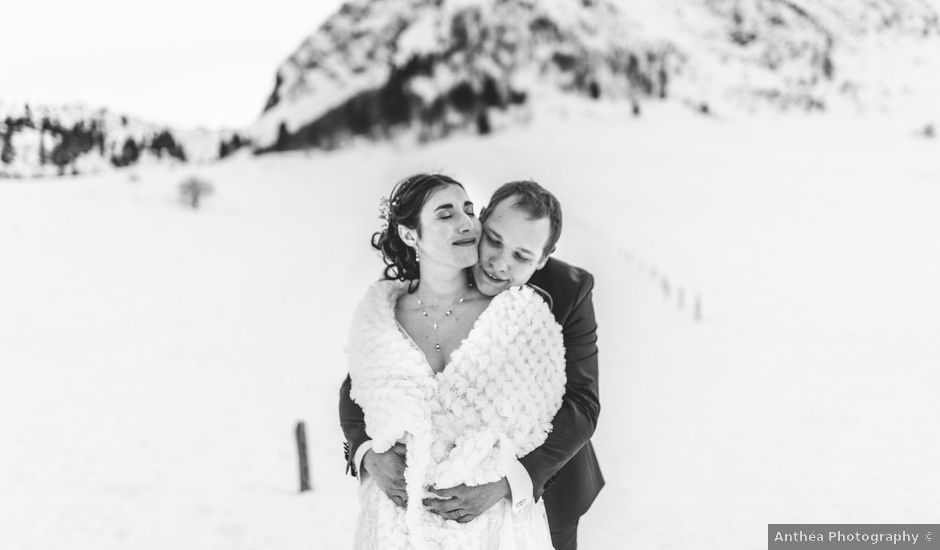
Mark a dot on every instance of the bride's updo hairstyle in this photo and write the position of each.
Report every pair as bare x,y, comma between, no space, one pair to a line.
405,203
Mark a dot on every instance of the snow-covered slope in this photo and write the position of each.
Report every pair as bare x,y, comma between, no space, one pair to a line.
767,307
377,66
72,139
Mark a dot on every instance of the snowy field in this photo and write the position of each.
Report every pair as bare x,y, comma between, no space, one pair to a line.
767,298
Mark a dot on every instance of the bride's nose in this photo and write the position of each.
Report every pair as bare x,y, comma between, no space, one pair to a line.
466,224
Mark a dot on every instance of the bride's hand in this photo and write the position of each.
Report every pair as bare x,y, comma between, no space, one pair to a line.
464,504
388,469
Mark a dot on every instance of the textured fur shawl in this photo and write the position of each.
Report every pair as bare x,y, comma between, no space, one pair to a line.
493,402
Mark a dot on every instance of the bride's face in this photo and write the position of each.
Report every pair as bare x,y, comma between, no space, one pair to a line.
449,229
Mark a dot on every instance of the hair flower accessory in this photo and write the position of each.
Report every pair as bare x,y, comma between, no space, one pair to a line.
384,213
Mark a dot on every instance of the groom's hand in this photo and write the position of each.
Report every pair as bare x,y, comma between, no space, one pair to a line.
463,504
388,469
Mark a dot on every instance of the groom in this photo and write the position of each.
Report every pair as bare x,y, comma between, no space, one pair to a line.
521,226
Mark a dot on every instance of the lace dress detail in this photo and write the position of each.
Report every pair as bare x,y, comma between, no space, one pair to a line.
499,528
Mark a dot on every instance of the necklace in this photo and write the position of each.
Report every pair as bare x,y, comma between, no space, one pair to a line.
447,313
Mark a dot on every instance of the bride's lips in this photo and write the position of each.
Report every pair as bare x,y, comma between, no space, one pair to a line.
466,242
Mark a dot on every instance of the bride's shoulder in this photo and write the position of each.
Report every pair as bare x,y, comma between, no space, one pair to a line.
383,293
387,287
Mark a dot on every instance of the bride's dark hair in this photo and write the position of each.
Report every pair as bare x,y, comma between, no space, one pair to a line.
404,208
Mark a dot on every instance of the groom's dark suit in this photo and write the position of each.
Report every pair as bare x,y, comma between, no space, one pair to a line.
564,469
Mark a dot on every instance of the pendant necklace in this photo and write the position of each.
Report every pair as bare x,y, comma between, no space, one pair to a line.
448,313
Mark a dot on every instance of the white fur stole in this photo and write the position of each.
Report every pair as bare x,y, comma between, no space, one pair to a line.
493,402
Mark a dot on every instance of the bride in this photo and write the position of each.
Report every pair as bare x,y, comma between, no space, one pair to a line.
466,382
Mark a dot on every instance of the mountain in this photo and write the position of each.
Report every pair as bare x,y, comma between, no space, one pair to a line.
430,67
813,54
73,139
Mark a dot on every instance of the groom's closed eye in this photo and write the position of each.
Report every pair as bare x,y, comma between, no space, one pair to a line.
496,243
521,258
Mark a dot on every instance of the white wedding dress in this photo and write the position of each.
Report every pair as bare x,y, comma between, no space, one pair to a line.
493,402
499,528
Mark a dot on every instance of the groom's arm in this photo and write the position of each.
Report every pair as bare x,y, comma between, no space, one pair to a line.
388,468
572,426
575,422
352,420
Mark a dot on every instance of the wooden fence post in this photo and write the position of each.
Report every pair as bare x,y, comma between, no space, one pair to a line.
301,434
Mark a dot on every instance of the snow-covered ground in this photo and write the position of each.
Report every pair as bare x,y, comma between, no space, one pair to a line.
767,302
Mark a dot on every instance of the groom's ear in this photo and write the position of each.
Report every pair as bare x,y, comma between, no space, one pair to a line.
409,236
543,261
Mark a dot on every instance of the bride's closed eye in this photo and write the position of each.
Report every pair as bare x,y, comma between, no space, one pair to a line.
447,214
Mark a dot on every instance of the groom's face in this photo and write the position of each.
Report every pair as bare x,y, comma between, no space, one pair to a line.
512,248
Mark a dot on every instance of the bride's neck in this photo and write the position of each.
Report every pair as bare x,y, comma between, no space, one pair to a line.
439,287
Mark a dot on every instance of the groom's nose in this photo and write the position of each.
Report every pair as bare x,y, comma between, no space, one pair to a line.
499,264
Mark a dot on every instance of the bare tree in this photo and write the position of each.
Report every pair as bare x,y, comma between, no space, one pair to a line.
193,189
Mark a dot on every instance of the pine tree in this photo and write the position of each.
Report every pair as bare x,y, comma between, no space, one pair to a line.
63,153
7,153
43,156
483,123
130,152
165,143
283,138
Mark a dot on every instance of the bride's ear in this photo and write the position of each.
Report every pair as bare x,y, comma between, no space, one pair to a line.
409,236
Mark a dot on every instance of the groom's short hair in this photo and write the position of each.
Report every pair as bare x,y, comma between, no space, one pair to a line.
536,202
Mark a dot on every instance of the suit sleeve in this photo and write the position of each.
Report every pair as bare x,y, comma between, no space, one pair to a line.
574,423
352,420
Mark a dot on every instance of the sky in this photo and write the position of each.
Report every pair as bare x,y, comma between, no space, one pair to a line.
195,63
